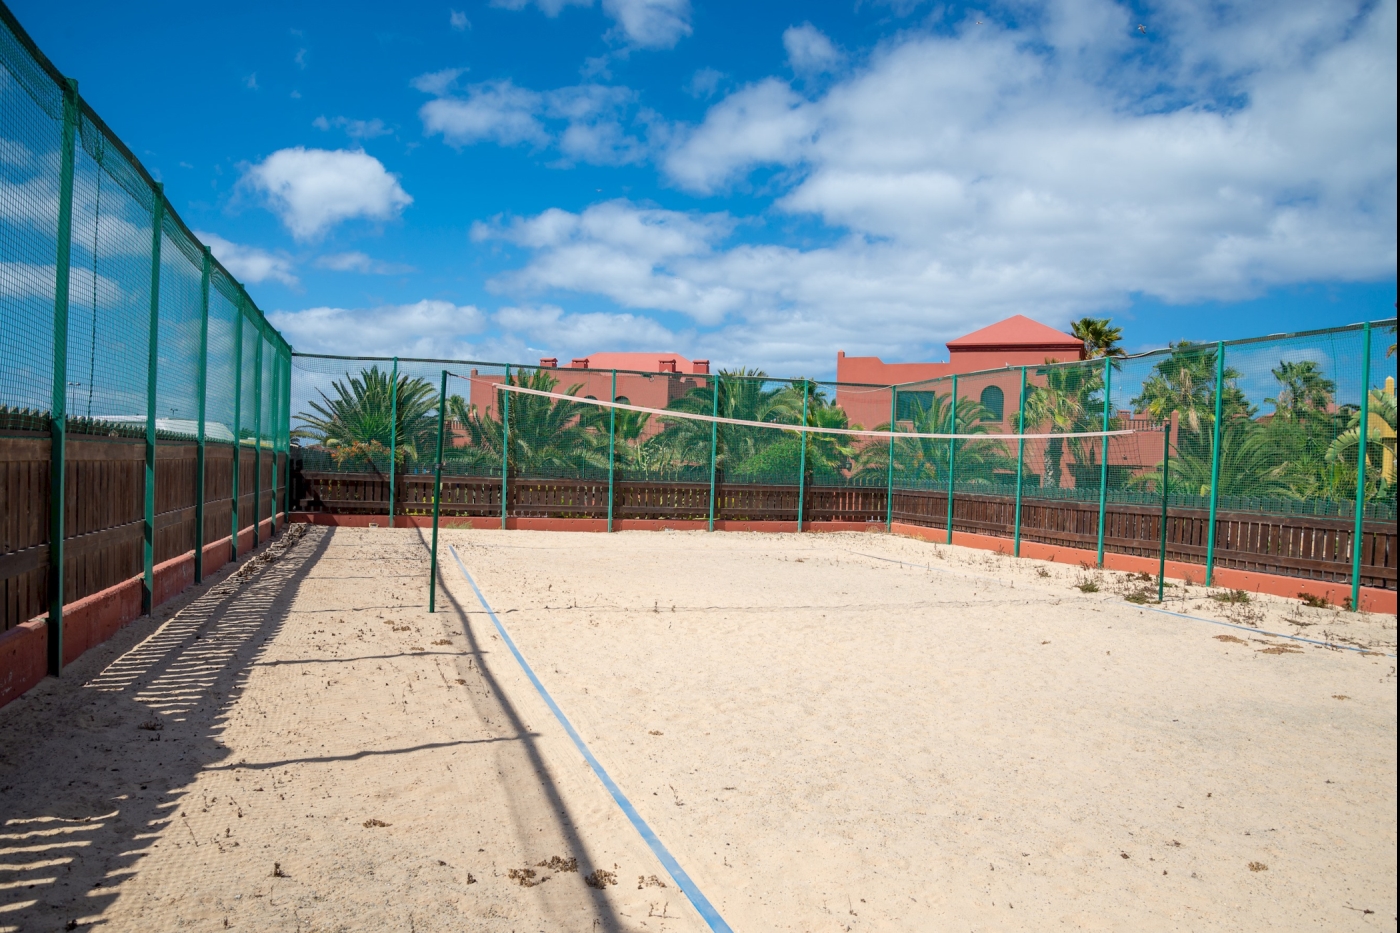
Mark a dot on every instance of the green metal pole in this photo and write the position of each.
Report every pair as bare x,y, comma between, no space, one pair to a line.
1103,467
802,458
952,452
889,479
393,436
1020,461
148,523
257,439
1166,486
58,406
714,443
437,494
287,430
505,450
1215,459
1359,530
237,418
201,388
272,432
612,447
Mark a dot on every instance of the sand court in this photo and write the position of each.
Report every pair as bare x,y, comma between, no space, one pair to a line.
828,732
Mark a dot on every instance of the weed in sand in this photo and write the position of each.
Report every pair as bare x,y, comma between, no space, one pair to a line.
1231,597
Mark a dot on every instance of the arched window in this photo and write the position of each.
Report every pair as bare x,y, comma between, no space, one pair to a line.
994,401
623,400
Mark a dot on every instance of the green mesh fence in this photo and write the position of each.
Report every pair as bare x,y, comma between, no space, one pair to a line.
115,324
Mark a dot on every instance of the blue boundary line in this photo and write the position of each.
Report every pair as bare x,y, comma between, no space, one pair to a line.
688,887
1165,612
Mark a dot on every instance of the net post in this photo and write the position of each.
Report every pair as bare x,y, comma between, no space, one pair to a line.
237,421
1358,528
148,513
201,390
1215,460
505,448
952,450
1103,466
437,494
58,406
612,447
393,435
257,438
889,478
802,458
1020,462
1166,484
714,442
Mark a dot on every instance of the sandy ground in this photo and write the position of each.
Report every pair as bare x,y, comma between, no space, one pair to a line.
830,732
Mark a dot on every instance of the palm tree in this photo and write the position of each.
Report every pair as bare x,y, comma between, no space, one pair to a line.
1303,390
357,420
1065,404
548,437
1099,336
922,462
1250,465
742,396
1380,444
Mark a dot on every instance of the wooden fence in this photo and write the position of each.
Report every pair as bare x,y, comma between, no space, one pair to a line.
104,504
1290,545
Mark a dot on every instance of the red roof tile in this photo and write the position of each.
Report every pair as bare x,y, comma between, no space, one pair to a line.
1016,331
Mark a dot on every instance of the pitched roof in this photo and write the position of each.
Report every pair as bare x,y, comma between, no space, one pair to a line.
1016,331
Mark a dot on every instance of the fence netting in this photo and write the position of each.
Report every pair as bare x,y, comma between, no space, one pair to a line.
156,370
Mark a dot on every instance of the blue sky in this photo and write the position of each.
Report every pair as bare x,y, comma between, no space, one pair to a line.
762,184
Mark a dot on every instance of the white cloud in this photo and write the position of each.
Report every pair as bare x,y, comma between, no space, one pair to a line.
428,328
248,263
458,20
765,122
497,111
648,24
810,52
312,190
548,326
355,129
360,262
704,82
501,112
437,83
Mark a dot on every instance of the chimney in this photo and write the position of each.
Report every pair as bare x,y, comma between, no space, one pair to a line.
666,366
701,367
579,363
549,362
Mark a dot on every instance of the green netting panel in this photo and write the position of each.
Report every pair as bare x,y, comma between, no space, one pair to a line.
181,310
248,427
268,431
30,138
109,301
922,408
1063,398
220,376
846,460
987,404
648,448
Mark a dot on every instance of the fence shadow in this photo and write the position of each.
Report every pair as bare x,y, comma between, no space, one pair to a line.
91,773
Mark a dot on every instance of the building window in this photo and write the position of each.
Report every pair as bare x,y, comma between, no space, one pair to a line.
995,402
623,400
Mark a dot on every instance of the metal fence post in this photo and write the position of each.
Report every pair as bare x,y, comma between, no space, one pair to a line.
889,479
1215,459
437,494
1166,485
952,451
802,457
287,431
1103,467
201,389
272,438
1020,461
505,448
257,438
714,443
237,419
612,447
393,435
148,523
58,406
1358,530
